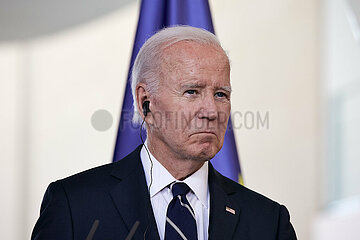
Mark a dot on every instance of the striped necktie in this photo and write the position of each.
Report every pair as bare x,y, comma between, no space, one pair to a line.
180,217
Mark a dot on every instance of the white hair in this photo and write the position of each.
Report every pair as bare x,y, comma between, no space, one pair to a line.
147,65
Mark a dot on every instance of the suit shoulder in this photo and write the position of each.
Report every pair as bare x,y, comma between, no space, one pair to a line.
105,173
89,178
248,196
98,170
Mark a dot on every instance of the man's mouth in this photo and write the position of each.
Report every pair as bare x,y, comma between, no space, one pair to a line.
204,132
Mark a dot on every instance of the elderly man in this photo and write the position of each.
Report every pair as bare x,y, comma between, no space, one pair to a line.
181,89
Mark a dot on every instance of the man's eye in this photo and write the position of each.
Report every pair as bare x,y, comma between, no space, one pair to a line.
191,92
220,94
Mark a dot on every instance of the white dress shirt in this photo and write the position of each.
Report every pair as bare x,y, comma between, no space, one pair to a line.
161,195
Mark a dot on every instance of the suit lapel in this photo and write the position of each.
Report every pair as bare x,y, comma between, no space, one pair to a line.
131,196
224,213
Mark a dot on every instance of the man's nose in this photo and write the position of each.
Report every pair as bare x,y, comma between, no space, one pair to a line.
208,108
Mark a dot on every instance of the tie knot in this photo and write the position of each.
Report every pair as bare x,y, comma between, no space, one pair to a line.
180,189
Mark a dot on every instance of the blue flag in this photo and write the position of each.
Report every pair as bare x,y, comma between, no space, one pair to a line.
155,15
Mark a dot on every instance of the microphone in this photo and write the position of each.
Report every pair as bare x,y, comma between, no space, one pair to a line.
93,230
96,224
133,230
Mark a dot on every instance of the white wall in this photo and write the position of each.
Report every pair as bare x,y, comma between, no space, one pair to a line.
10,168
62,79
341,221
340,77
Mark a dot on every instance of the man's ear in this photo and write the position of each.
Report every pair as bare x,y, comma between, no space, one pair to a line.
142,95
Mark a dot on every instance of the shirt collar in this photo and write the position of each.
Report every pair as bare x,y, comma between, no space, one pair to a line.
198,182
161,178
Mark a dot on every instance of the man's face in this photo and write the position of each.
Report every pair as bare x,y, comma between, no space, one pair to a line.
191,107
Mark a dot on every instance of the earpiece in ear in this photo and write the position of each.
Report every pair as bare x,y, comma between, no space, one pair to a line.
146,108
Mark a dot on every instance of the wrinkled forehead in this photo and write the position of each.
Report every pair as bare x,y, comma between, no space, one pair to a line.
190,48
190,54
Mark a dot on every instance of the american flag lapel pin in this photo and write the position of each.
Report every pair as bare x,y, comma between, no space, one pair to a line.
230,210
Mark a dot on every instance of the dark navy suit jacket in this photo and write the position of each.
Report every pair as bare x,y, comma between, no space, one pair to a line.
116,194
